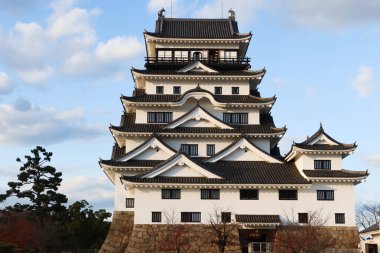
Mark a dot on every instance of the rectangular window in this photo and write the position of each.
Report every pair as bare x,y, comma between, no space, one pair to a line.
210,149
249,194
235,118
176,89
156,216
129,202
210,194
171,193
190,217
235,90
287,194
218,90
160,117
226,217
190,149
325,195
303,218
159,89
340,218
178,55
230,54
164,55
322,164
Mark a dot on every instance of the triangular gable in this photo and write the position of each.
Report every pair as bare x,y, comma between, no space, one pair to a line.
323,139
243,150
197,67
152,149
198,117
180,166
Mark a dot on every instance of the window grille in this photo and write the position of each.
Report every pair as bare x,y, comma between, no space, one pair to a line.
190,217
218,90
303,218
235,118
235,90
171,193
322,164
176,89
156,216
210,149
226,217
340,218
190,149
159,117
249,194
129,202
288,194
210,194
325,194
159,89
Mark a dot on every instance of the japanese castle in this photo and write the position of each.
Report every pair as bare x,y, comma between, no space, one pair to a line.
197,135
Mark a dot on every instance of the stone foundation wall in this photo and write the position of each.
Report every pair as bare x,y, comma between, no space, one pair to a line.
344,237
120,232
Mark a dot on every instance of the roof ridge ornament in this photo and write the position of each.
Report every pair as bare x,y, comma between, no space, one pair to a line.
161,12
232,14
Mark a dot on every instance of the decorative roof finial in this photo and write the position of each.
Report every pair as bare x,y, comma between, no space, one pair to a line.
320,126
232,14
160,12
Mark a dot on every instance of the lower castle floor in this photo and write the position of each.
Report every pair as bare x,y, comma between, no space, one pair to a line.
126,237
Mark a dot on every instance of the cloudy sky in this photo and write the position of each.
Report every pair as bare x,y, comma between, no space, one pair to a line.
64,64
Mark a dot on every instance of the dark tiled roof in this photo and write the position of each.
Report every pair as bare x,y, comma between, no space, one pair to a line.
117,152
236,172
257,218
196,28
132,163
221,73
220,98
335,173
326,146
374,227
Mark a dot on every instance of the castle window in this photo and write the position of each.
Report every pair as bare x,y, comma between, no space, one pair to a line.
210,194
340,218
190,149
230,54
235,90
197,55
190,217
159,89
160,117
322,164
249,194
156,216
164,55
287,194
226,217
218,90
210,149
176,89
235,118
171,193
129,202
179,55
303,218
325,195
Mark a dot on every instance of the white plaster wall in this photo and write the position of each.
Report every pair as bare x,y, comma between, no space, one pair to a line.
131,143
306,162
264,144
148,200
242,155
121,194
152,154
181,171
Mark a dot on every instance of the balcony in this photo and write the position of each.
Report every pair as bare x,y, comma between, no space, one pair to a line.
177,62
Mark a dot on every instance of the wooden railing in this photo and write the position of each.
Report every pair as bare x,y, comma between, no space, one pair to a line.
184,60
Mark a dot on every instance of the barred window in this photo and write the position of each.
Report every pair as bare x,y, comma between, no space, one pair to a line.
226,217
210,149
303,218
129,202
249,194
235,90
159,89
210,194
235,118
288,194
190,217
171,193
325,194
340,218
176,89
160,117
218,90
322,164
190,149
156,216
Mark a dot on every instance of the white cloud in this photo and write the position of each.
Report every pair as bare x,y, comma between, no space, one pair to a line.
5,84
22,123
279,83
364,81
35,76
329,14
374,160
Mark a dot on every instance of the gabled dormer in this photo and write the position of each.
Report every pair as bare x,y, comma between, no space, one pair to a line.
320,152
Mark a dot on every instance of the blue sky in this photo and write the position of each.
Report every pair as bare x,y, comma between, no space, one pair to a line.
64,64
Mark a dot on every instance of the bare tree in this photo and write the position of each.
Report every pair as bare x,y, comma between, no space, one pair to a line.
293,236
367,215
222,228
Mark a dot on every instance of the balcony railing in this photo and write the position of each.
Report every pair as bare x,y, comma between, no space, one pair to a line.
185,60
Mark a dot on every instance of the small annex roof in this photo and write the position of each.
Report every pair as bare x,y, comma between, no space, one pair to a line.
372,228
198,113
197,67
243,145
335,173
258,219
320,142
196,28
